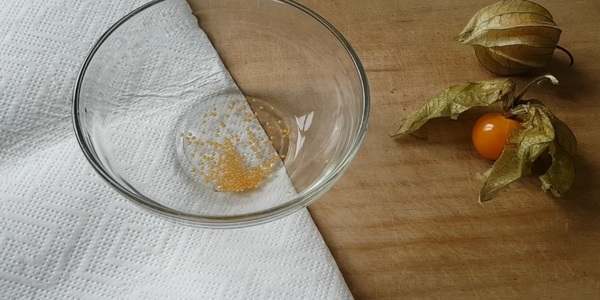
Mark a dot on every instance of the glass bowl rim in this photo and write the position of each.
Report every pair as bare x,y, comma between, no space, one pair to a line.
242,220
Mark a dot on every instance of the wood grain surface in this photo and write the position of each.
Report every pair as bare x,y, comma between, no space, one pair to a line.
404,221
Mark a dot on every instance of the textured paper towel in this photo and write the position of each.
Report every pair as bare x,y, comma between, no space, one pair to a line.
155,78
65,234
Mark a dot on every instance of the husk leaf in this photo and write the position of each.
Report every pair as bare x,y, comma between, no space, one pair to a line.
512,36
541,132
457,99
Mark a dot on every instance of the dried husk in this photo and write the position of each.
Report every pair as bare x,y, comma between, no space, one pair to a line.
541,133
512,36
457,99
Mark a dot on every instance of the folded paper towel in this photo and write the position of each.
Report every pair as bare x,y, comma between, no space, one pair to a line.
65,234
155,78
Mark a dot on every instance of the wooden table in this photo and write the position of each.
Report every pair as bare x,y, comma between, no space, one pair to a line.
404,222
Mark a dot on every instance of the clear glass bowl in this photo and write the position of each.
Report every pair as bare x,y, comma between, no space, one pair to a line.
153,97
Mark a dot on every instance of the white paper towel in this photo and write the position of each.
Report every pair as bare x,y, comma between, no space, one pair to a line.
155,78
65,234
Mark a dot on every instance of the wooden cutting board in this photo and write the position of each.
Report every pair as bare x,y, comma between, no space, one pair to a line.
404,221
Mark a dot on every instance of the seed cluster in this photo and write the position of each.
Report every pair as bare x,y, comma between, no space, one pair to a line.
227,161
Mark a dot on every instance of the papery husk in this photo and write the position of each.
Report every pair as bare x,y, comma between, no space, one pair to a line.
541,132
512,36
453,101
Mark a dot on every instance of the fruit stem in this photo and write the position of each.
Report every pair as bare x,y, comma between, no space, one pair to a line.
572,60
514,112
538,80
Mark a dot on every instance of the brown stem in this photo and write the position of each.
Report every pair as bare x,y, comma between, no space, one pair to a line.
572,60
514,112
538,80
